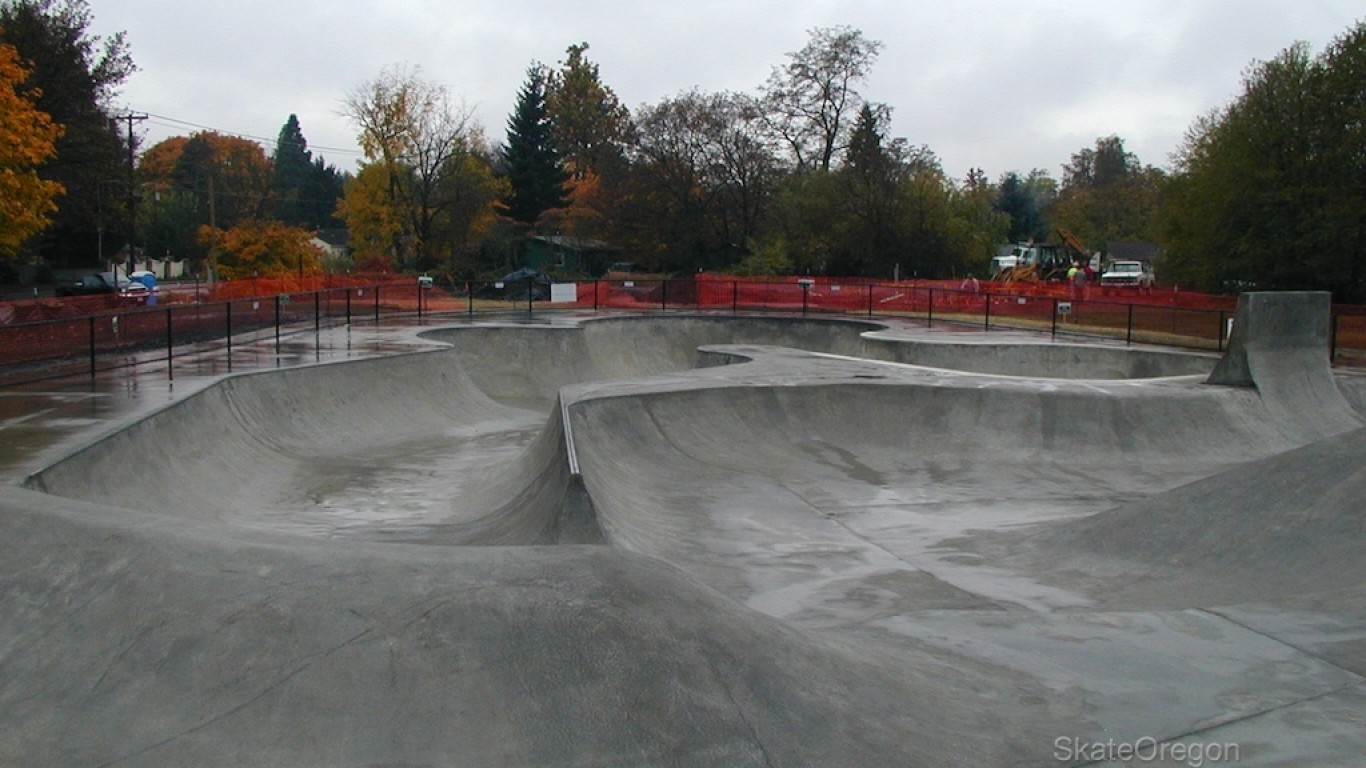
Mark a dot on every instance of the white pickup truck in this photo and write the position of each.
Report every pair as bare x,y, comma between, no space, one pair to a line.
1127,273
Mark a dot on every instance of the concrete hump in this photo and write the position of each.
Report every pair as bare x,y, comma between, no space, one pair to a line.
1273,528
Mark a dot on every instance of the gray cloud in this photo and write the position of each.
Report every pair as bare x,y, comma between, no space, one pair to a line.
993,84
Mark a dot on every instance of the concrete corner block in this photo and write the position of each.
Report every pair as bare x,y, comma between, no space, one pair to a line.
1290,323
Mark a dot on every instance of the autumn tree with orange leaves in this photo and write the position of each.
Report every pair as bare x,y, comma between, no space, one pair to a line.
28,138
262,249
207,179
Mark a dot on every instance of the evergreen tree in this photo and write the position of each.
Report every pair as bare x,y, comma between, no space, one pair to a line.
304,189
865,153
873,214
326,185
532,163
292,173
1016,199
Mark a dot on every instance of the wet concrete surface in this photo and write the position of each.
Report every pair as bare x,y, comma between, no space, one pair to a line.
818,553
40,421
43,420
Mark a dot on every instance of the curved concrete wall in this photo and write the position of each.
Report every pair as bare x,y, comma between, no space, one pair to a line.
849,566
363,448
785,447
464,445
1053,361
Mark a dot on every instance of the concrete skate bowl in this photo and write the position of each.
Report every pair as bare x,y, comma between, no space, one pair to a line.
816,556
458,446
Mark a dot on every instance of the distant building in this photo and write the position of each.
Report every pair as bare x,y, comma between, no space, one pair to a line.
164,269
335,245
572,255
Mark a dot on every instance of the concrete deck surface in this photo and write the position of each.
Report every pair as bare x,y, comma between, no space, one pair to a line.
688,540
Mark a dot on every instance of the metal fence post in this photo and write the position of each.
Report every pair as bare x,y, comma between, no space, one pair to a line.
929,314
228,318
317,312
986,314
348,306
735,297
1333,338
278,300
91,322
663,295
870,299
469,295
1129,327
1219,333
170,345
1053,334
376,305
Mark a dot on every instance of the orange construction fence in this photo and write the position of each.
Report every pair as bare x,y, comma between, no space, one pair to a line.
81,332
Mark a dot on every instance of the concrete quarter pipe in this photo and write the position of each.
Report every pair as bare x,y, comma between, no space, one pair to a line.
708,541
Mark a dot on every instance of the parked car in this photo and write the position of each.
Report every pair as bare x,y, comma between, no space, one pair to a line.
1127,273
515,286
133,292
105,283
623,269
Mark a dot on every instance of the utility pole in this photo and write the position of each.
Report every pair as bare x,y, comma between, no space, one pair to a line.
132,196
213,229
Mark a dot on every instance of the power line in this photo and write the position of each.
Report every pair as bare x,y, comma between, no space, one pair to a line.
177,123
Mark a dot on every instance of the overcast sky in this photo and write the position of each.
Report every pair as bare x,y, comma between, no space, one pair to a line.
1002,85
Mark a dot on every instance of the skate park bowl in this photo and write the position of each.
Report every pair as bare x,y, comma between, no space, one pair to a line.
694,540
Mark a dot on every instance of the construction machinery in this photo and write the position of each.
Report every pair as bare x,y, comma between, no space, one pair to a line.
1043,262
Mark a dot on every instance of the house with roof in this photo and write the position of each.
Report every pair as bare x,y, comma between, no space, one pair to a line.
335,245
570,255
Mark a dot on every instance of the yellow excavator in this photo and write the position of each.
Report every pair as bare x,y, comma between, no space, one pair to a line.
1043,262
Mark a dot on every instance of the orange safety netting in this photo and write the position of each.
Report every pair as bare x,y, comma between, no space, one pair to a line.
74,328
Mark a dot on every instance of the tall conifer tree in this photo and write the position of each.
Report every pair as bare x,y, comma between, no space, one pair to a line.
533,165
292,167
304,189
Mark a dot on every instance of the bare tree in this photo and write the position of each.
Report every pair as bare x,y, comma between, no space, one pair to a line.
811,102
409,126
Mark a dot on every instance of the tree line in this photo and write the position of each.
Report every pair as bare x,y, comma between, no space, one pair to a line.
801,175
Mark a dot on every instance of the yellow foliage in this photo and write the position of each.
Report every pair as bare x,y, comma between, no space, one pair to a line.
373,222
27,139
